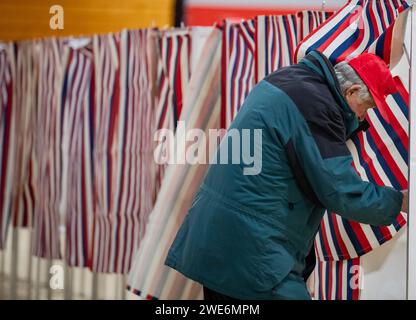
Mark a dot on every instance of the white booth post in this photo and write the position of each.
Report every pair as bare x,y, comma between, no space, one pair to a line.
411,220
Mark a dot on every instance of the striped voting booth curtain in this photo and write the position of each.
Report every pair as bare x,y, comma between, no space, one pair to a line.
149,277
308,21
339,280
122,148
47,148
25,103
105,148
7,137
75,129
277,37
352,29
238,66
173,74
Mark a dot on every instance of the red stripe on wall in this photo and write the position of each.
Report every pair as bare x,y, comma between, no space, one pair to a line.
207,16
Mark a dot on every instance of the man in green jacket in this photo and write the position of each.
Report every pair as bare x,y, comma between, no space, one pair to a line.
247,235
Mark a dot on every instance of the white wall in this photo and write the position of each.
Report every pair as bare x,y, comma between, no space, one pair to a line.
276,4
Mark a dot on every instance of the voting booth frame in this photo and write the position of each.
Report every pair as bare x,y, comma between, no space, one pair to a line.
411,227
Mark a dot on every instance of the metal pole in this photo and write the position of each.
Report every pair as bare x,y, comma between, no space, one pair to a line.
118,286
13,269
2,275
67,270
411,219
29,267
84,289
123,286
37,284
48,276
94,295
68,282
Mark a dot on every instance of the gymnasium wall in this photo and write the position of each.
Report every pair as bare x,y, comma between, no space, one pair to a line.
24,19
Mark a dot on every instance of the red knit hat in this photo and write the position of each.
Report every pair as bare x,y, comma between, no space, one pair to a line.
376,75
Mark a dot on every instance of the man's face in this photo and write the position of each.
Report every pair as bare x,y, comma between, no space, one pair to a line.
357,105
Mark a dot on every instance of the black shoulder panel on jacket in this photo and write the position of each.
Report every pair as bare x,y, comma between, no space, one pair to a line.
299,174
315,102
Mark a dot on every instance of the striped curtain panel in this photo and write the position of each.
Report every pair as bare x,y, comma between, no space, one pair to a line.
47,148
238,66
7,137
105,148
76,203
149,277
122,147
277,40
352,29
27,69
308,21
339,280
173,74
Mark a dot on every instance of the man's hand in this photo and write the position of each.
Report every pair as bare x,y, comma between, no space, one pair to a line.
405,203
310,284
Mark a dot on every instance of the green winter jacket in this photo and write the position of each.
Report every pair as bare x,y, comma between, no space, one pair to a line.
246,234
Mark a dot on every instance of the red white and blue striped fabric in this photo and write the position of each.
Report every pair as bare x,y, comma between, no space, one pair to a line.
7,138
339,280
76,132
389,45
252,49
308,21
106,108
352,29
238,66
279,37
173,74
47,148
122,148
25,104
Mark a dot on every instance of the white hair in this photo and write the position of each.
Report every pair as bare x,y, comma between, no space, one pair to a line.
347,77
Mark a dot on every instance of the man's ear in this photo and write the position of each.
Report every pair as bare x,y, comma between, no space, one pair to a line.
353,89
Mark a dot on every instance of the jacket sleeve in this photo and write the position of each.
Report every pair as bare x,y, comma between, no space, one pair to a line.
322,155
